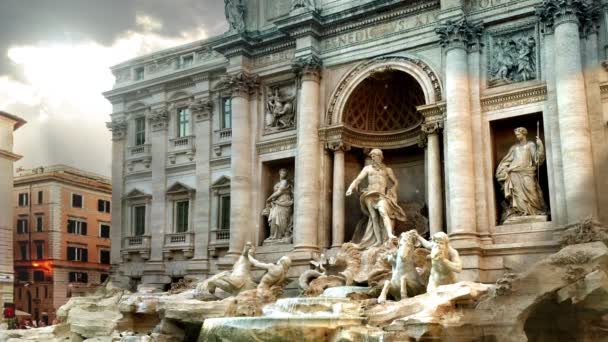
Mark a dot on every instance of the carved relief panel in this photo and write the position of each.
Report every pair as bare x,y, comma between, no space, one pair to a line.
280,107
512,56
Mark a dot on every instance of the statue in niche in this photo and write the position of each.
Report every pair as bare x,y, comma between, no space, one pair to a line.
378,201
235,14
518,176
513,60
279,210
280,111
445,260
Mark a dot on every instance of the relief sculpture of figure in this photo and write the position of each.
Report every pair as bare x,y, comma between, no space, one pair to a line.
517,174
279,210
280,111
445,260
378,201
235,14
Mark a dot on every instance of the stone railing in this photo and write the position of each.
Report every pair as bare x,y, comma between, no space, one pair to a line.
221,234
139,151
136,245
223,135
181,144
179,242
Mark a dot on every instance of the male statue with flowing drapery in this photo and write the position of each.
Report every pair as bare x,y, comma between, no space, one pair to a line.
517,174
378,201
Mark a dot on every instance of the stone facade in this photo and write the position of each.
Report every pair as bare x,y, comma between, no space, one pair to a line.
438,85
8,124
61,236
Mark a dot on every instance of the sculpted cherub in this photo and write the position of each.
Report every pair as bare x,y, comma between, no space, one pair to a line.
445,261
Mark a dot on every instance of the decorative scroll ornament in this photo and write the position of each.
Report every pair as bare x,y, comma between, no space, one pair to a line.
459,33
201,109
309,68
241,83
118,129
158,118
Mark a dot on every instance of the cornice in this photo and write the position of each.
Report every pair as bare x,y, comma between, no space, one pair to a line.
283,144
514,98
362,139
8,155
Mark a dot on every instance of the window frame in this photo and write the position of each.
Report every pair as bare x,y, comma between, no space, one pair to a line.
104,205
40,197
101,250
179,226
80,226
107,224
24,251
38,272
182,58
226,114
81,200
79,277
139,131
186,114
39,223
134,219
23,199
22,228
139,73
223,219
81,254
39,252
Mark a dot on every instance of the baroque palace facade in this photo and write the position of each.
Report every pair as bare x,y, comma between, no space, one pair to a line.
283,109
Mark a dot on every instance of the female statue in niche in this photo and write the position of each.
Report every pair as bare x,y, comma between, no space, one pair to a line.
279,210
517,174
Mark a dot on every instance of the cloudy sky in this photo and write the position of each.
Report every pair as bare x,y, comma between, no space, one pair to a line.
54,63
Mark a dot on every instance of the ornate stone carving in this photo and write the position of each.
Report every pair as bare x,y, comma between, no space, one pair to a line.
553,12
240,84
309,68
517,174
158,119
272,146
118,129
279,210
512,58
405,280
445,260
302,4
585,231
590,20
280,109
338,146
201,109
459,33
432,127
378,201
235,14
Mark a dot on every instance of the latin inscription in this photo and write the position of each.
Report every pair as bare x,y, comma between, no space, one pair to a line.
483,4
282,56
379,31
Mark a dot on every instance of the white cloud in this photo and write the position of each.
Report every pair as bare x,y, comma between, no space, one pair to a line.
62,93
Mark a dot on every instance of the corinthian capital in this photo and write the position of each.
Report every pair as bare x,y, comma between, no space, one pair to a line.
201,109
338,146
459,33
309,68
240,84
118,129
554,12
158,118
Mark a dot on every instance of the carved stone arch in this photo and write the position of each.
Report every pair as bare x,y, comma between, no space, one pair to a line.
426,77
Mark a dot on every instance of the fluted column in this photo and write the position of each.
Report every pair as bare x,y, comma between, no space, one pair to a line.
338,194
455,37
242,85
307,187
119,130
573,117
435,189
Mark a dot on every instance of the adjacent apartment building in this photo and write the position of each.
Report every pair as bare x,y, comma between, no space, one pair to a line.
8,124
61,236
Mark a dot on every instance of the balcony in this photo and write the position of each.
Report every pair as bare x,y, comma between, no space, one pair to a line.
139,154
183,145
136,245
222,137
179,242
220,239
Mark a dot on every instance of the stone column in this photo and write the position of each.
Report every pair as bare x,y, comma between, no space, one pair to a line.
575,135
201,112
338,194
435,189
242,85
454,37
307,187
118,127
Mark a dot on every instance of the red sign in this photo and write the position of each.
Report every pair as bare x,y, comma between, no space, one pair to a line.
9,310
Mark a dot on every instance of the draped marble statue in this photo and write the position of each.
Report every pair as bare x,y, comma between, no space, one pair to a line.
279,210
517,174
378,201
235,14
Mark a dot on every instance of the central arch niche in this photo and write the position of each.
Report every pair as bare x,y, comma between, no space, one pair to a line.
384,102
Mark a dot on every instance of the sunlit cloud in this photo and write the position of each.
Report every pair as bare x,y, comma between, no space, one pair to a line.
64,81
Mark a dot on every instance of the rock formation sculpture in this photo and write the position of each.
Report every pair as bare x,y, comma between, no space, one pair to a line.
445,261
378,201
405,279
517,174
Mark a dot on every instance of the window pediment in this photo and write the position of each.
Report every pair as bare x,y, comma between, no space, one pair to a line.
222,182
137,194
179,188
